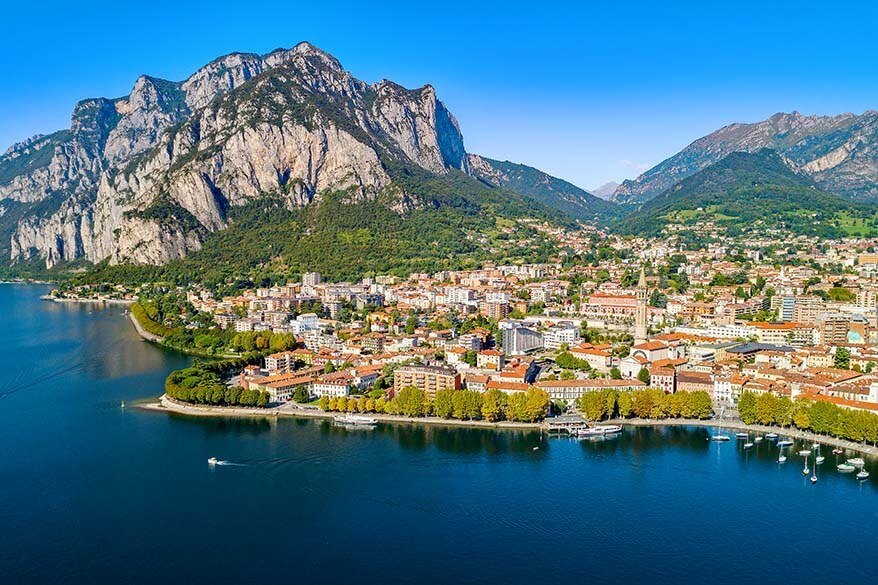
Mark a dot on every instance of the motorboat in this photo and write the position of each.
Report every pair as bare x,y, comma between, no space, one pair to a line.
742,435
356,420
845,467
599,431
837,451
784,443
758,439
857,462
863,474
771,436
804,452
719,438
748,445
212,461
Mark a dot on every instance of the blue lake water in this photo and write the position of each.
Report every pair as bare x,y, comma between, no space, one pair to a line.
92,493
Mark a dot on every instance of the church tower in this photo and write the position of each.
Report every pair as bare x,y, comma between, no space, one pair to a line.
641,314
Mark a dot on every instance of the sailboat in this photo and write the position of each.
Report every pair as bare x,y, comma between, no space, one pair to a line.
805,470
818,459
814,477
718,436
781,457
863,474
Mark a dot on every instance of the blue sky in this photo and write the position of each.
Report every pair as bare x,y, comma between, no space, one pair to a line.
590,91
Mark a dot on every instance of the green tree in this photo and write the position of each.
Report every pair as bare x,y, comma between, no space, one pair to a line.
615,374
443,405
843,358
747,408
411,401
624,404
494,405
643,375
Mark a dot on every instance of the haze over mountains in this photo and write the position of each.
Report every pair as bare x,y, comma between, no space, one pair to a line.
148,177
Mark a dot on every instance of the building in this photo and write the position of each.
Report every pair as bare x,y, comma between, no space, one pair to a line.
561,334
430,379
641,313
311,279
490,359
834,328
570,390
520,340
495,310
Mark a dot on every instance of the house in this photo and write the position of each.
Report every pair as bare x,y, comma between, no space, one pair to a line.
490,359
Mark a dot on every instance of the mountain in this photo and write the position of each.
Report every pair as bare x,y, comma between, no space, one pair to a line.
606,190
840,153
153,176
750,192
549,190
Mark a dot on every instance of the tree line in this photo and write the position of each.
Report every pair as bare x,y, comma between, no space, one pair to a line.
823,418
202,384
492,405
646,403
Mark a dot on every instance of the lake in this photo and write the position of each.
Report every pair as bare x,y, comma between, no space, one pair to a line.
93,493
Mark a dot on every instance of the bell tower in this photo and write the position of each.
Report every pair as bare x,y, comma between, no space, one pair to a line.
641,314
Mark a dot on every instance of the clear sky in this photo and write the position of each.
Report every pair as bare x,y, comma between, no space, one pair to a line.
588,91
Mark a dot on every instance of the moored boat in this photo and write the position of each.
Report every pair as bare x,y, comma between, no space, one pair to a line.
784,443
748,445
771,435
758,439
599,430
856,461
863,474
742,435
845,467
804,452
354,419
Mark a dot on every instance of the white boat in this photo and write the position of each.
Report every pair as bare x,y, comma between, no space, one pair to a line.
856,461
355,419
784,443
742,435
758,439
804,452
720,438
781,458
845,468
820,459
771,436
599,431
212,461
813,479
837,451
748,445
863,474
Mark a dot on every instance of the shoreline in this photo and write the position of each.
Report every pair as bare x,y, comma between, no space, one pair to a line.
85,300
288,410
169,406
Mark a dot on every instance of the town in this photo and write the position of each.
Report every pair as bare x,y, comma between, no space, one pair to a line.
791,320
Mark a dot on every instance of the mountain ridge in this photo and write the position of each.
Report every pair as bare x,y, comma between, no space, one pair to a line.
144,178
839,152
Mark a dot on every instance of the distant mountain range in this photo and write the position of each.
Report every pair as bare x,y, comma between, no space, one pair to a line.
751,192
606,190
839,153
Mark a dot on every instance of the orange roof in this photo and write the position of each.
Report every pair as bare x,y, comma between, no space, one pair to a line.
650,345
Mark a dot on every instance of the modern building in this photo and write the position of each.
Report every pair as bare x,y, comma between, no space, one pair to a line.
430,379
520,340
